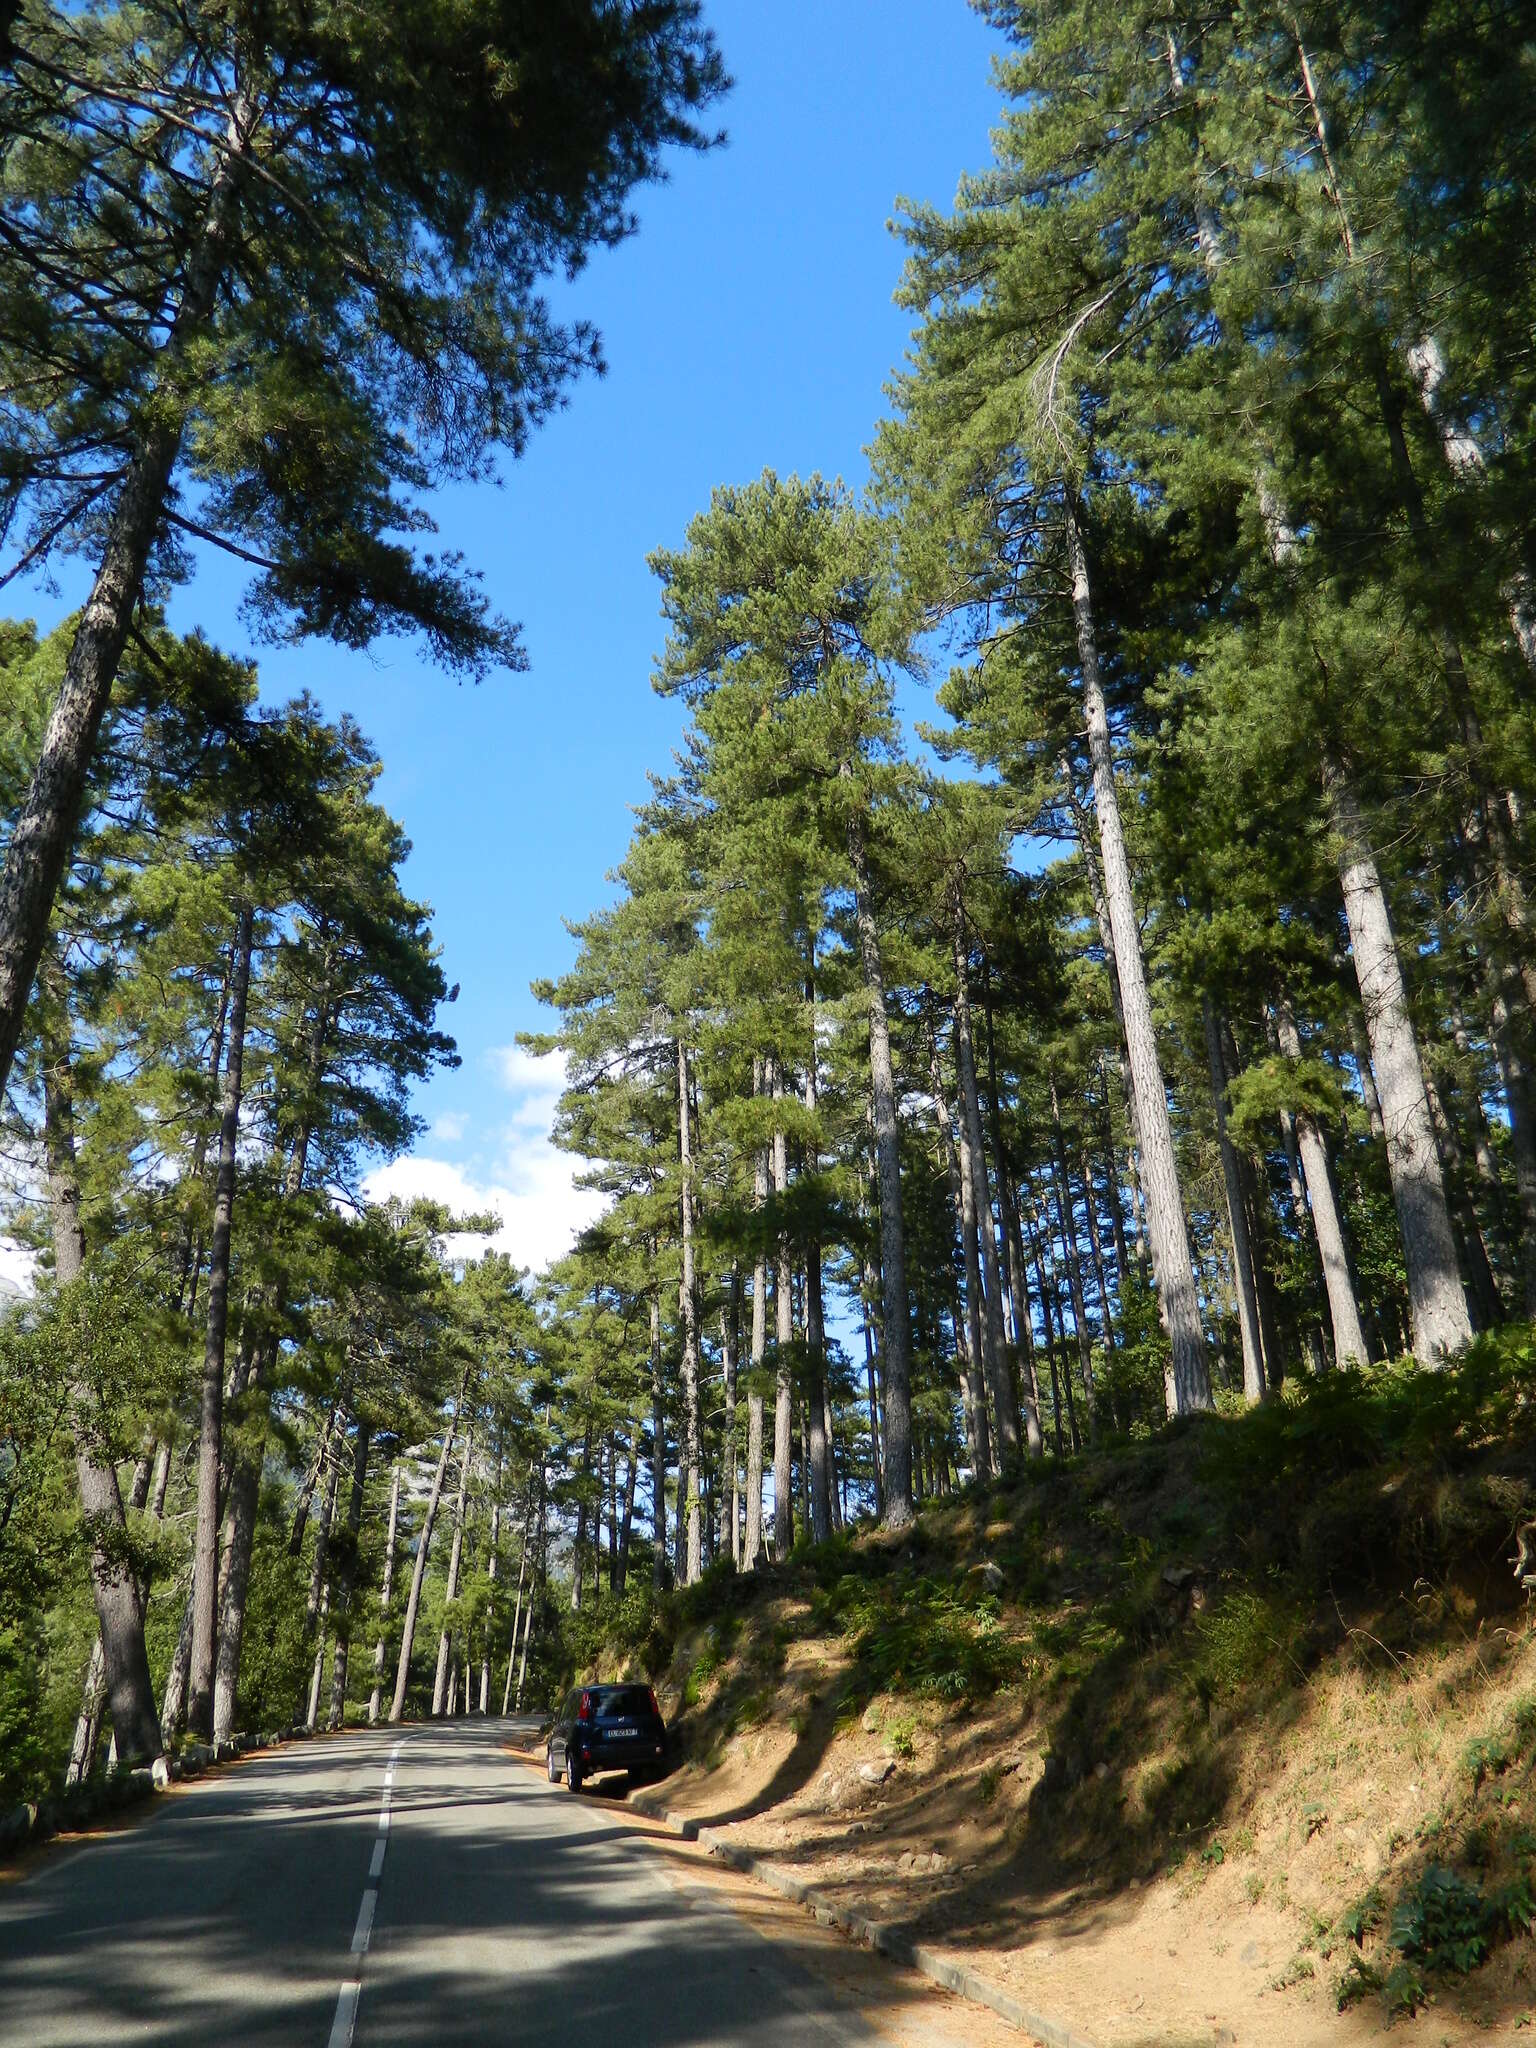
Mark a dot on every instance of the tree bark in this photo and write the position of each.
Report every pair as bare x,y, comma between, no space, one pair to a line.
455,1555
818,1475
1096,1247
307,1487
658,1446
689,1474
240,1515
1189,1381
1327,1221
896,1329
967,1331
1237,1215
423,1545
1515,1076
784,1337
44,830
753,1540
517,1606
317,1608
1043,1288
93,1697
730,1504
385,1588
869,1295
1441,1325
130,1691
995,1354
1013,1258
205,1571
1083,1336
346,1579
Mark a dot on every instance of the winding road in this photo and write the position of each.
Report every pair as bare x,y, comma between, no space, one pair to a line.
422,1885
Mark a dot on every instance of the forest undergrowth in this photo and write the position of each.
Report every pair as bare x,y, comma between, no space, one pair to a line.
1272,1662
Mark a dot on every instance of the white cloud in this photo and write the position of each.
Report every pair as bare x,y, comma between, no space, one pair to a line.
18,1267
528,1184
533,1080
449,1127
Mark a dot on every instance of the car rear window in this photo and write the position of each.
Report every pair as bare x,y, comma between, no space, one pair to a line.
623,1703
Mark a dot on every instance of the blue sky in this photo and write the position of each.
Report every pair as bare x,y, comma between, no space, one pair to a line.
748,325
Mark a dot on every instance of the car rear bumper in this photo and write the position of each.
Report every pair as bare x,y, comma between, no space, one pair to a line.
647,1755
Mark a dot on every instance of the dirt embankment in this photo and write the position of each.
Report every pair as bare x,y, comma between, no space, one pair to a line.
1224,1738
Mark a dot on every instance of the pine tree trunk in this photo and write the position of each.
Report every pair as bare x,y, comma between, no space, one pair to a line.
974,1157
1042,1288
1189,1381
385,1588
753,1541
455,1555
317,1669
818,1478
1084,828
311,1480
1490,1181
1020,1333
834,1497
173,1712
517,1606
522,1664
1441,1325
877,1481
730,1323
1327,1222
346,1579
658,1446
1096,1247
1476,1267
1237,1215
44,830
967,1331
1515,1075
784,1335
205,1569
130,1690
1112,1179
689,1464
82,1750
423,1545
896,1331
317,1608
1083,1336
240,1516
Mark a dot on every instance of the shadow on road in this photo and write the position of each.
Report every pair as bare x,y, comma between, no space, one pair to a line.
508,1912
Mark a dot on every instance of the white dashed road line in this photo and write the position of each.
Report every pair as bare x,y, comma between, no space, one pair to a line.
364,1926
345,2022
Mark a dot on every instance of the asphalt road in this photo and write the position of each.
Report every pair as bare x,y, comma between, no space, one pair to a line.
422,1886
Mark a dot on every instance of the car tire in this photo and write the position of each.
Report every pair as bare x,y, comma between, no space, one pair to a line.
549,1766
572,1772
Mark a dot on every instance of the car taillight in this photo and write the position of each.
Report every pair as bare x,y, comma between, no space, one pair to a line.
584,1709
654,1708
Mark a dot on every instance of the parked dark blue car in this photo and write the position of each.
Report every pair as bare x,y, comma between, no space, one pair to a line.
607,1728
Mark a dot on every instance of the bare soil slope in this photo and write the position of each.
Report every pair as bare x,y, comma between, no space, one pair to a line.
1227,1737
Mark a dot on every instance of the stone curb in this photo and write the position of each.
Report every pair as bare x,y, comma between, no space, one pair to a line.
876,1934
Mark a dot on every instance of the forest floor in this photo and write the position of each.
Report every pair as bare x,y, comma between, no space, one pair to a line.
1228,1737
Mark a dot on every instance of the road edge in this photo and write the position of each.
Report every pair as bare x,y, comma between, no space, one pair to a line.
879,1935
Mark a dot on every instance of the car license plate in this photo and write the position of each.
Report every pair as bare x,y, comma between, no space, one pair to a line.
623,1734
